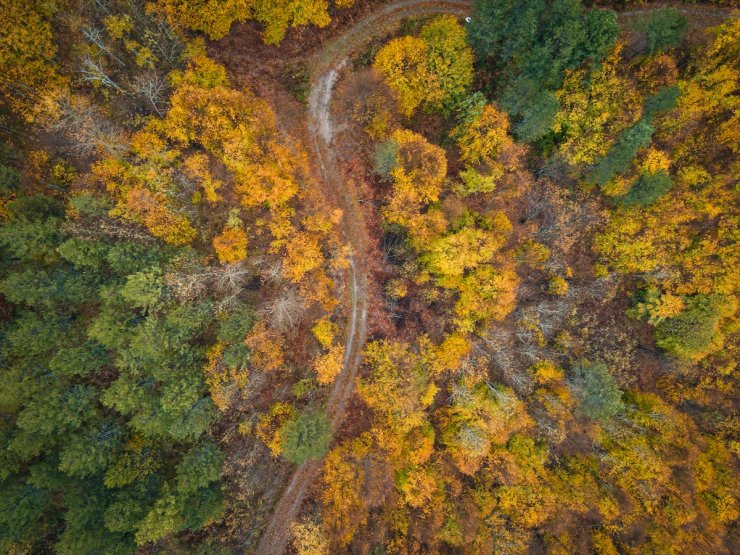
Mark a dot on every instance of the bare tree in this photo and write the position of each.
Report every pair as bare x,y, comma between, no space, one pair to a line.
271,271
285,311
92,71
108,228
167,46
87,128
472,439
460,394
152,88
95,36
193,280
229,279
99,8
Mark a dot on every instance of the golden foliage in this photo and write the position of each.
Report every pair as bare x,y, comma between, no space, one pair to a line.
418,486
485,294
484,137
591,117
343,479
302,255
329,365
398,387
479,416
432,69
309,538
223,380
231,245
212,17
325,331
270,426
152,210
403,62
27,53
197,168
265,347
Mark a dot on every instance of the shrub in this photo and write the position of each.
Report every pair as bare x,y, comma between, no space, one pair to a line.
690,334
665,29
385,157
647,189
306,436
557,286
599,396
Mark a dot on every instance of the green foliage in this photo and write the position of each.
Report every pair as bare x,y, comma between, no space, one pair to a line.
662,101
164,519
647,189
144,289
30,240
527,45
475,182
87,204
204,506
385,157
102,384
21,509
535,107
199,467
9,179
90,451
236,324
664,29
690,334
306,437
623,152
599,396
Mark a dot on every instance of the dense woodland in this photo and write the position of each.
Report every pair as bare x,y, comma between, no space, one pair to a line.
550,192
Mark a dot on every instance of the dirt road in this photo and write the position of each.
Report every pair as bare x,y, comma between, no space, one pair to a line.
327,65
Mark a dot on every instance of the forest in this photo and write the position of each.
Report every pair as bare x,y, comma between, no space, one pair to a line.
378,277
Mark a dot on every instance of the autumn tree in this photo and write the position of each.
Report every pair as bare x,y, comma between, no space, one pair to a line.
434,69
486,148
403,63
480,415
212,17
418,171
215,17
399,386
27,56
231,245
344,475
595,107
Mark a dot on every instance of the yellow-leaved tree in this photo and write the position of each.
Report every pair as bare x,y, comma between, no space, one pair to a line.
27,54
434,69
211,17
594,107
215,17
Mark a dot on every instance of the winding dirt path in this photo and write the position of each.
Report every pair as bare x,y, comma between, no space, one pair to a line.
327,65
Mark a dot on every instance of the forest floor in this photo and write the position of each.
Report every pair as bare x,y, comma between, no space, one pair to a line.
326,65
